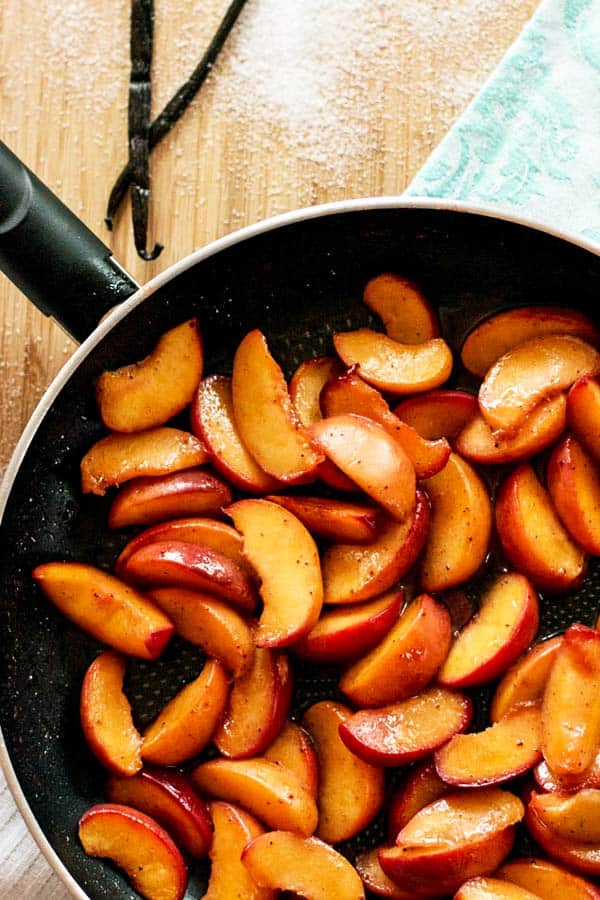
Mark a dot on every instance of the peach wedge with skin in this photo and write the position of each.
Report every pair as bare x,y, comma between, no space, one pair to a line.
580,856
574,486
405,661
351,791
532,536
402,307
149,393
504,626
286,558
394,367
282,860
117,458
336,520
377,882
573,817
420,786
461,523
306,385
293,749
438,414
263,409
229,877
545,878
138,845
106,608
106,715
526,679
583,413
490,888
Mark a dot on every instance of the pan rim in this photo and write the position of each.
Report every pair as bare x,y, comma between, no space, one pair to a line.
142,294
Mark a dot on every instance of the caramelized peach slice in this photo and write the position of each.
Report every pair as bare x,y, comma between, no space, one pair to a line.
545,878
405,661
400,304
117,458
348,393
375,880
531,372
345,633
394,367
106,715
461,522
258,706
139,846
335,520
541,428
488,888
282,860
193,492
286,558
263,410
420,787
169,798
582,856
400,733
150,392
293,749
374,460
532,535
269,791
583,413
306,385
187,723
570,711
504,626
525,681
574,817
498,334
213,420
574,485
105,607
209,623
352,573
438,414
351,791
229,877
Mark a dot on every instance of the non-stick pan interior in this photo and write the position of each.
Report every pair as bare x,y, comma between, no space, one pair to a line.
298,283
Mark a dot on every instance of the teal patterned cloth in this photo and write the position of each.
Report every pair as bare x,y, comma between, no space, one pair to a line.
529,142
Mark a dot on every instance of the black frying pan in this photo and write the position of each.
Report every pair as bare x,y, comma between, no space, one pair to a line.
298,277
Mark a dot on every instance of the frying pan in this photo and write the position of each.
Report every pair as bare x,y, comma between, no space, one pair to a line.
299,278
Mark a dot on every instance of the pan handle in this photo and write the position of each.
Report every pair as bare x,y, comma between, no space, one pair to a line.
51,256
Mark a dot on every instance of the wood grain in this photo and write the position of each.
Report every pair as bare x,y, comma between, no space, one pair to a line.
206,179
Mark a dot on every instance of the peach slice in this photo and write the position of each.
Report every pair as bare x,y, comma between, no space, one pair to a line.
377,882
498,334
229,877
170,799
150,392
139,846
106,715
213,420
420,787
270,792
188,721
583,413
574,485
262,407
504,626
117,458
545,878
348,393
394,367
282,860
570,710
179,564
573,817
373,459
209,623
352,573
406,314
293,749
400,733
335,520
582,856
286,558
193,492
506,749
405,661
541,428
207,532
351,791
548,781
438,414
461,523
345,633
106,608
526,679
258,706
488,888
306,385
532,535
531,372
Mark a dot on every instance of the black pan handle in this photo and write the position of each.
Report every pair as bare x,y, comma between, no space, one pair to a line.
51,256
